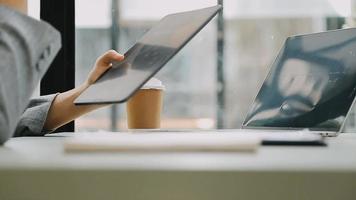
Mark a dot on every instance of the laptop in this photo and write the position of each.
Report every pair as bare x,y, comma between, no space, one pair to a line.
147,57
311,85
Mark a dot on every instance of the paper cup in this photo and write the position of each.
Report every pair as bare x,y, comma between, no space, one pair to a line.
145,106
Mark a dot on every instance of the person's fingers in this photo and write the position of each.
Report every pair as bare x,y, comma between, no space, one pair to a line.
103,63
110,56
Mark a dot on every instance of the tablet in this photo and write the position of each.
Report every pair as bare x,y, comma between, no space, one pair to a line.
147,57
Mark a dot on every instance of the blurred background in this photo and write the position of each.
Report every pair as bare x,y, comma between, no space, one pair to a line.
213,80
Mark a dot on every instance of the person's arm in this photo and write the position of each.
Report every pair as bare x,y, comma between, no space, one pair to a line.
27,46
63,109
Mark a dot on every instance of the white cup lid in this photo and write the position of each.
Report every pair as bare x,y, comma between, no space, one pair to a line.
153,83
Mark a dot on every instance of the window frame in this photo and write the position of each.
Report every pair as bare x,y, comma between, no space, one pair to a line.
60,76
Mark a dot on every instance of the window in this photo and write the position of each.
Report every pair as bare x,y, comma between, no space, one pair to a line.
254,31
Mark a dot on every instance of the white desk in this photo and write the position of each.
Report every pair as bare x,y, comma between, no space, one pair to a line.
37,168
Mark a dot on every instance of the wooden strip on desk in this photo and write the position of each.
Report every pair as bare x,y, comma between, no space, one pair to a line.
109,142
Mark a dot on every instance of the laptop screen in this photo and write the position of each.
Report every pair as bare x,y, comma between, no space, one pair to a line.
311,84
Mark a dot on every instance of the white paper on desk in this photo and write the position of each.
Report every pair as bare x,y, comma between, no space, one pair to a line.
162,142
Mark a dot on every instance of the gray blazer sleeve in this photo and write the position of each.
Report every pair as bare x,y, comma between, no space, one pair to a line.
27,47
32,120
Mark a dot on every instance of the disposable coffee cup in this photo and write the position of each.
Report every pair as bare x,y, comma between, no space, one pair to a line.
145,106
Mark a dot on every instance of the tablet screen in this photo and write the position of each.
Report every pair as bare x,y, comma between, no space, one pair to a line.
147,57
